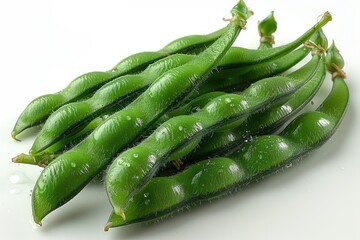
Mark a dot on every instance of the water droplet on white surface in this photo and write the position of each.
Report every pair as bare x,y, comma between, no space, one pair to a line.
18,178
34,226
14,191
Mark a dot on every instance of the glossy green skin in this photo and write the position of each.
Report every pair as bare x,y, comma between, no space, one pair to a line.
265,122
63,178
40,108
250,73
257,159
46,156
239,78
113,96
72,117
178,132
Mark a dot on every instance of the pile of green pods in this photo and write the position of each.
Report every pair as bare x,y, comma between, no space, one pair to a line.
192,122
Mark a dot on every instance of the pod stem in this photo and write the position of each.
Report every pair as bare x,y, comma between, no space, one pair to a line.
23,158
315,48
240,14
338,73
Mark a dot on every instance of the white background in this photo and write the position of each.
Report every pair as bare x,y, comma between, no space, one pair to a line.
44,44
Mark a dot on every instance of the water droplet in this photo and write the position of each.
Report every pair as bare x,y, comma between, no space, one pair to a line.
146,194
73,164
312,102
135,155
128,118
34,226
232,105
195,109
14,191
147,201
198,126
138,122
19,178
260,156
227,100
288,165
181,128
152,159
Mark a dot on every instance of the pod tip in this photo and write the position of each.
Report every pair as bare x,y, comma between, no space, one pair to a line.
107,226
13,135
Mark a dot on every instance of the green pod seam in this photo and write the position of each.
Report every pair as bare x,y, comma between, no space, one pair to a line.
41,107
178,132
263,156
69,173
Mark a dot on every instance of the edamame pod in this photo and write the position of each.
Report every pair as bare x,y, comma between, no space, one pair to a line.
113,96
72,117
46,156
263,156
233,81
179,132
40,108
70,172
265,122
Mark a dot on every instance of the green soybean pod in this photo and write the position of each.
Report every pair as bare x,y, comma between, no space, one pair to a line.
264,122
71,118
69,173
236,80
250,73
133,169
261,157
44,157
41,107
